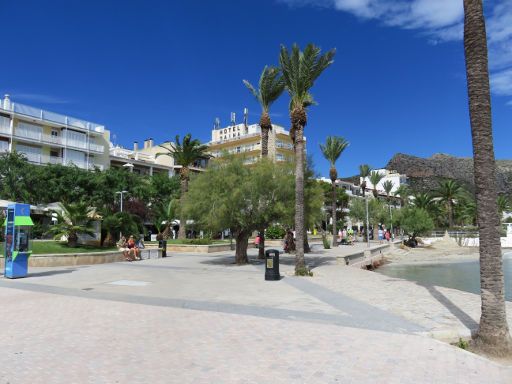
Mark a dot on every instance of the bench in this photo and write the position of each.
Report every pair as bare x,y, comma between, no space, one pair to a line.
150,253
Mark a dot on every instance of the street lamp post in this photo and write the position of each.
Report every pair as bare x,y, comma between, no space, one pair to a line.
122,194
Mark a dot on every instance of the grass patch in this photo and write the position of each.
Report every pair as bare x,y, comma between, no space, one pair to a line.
304,271
56,247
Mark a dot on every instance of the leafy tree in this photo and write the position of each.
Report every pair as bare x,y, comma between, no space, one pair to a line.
375,178
300,71
414,222
332,150
14,180
493,334
270,87
185,154
73,220
231,195
364,172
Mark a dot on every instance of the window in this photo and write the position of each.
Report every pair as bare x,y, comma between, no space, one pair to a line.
55,133
33,154
54,153
30,131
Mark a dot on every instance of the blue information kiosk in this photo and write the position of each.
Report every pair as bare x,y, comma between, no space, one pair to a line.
18,225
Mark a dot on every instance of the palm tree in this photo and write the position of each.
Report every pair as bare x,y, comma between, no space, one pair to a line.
375,178
270,87
493,334
403,193
300,70
72,220
332,150
185,154
388,186
364,172
448,192
504,204
424,200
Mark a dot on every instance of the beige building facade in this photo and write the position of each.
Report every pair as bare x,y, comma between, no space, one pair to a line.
46,137
245,139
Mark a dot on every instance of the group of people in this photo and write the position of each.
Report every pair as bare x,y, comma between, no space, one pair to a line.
346,235
130,248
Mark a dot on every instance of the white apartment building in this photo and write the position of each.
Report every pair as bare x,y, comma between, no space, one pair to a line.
393,176
46,137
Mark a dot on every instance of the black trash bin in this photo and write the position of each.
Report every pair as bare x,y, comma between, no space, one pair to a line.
163,245
272,265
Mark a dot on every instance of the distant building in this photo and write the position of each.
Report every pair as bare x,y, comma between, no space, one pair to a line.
396,178
350,188
244,138
50,138
144,160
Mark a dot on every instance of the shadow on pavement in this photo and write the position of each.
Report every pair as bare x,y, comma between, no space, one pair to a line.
463,317
50,273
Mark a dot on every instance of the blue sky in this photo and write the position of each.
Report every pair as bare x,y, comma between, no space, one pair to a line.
161,68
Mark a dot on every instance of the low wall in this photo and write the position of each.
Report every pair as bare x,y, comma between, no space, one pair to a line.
70,259
190,248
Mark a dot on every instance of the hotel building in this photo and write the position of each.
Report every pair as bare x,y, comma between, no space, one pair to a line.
246,139
49,138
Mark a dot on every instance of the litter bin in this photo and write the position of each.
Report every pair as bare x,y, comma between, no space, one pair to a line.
163,244
272,265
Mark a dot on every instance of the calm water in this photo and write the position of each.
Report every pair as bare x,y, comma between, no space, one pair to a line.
464,276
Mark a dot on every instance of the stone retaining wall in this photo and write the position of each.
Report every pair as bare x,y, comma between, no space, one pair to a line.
188,248
70,259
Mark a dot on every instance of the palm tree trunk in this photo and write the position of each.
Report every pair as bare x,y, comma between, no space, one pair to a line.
493,334
450,214
298,123
334,241
242,242
184,189
266,126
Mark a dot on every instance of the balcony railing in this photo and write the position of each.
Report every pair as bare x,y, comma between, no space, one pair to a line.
56,140
132,155
53,117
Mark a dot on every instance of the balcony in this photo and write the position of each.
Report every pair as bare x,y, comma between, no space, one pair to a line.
35,158
39,138
131,155
53,117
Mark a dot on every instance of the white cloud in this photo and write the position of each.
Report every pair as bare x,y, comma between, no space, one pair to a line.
38,98
501,82
440,21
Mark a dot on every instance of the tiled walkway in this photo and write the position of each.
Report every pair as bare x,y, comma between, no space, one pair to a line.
199,319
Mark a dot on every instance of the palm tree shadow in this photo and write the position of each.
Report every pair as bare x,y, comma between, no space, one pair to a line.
463,317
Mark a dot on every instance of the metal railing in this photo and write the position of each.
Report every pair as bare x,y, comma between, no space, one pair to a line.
57,140
53,117
36,158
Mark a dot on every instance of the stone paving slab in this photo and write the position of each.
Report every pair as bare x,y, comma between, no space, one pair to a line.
49,338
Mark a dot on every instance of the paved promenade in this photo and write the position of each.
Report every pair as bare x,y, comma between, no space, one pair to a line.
201,319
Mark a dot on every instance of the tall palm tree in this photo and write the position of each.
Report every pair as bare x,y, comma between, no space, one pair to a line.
403,193
388,186
300,70
448,192
364,172
332,150
375,178
424,200
493,333
270,87
185,154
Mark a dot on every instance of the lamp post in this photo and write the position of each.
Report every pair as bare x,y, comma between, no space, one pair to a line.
122,194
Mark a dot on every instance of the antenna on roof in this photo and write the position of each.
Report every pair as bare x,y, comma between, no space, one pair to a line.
246,116
233,118
216,124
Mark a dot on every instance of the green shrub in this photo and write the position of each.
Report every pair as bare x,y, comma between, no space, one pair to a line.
304,271
463,344
205,241
275,232
327,244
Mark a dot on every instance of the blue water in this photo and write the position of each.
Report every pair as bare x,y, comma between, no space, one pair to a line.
464,276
